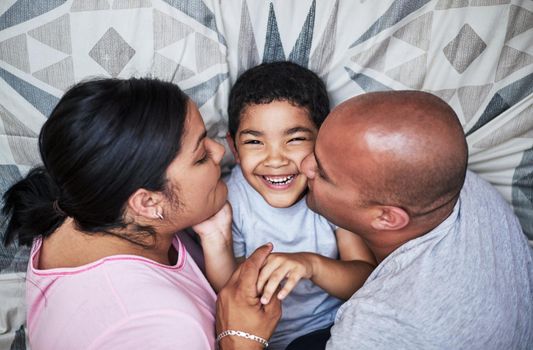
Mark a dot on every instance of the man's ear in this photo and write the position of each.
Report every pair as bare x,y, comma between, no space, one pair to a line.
146,204
390,218
231,144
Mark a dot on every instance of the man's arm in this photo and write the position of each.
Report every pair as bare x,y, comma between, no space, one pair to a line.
239,308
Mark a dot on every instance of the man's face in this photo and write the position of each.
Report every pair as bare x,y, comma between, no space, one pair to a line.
333,180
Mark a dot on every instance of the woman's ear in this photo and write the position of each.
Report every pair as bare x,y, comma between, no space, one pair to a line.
231,144
146,204
390,218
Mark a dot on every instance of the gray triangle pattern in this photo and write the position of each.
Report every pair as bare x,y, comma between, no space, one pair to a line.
40,99
25,151
319,61
168,30
523,192
519,21
112,52
15,52
411,73
169,70
471,98
60,75
488,2
444,94
366,83
510,61
163,68
13,126
374,57
464,48
55,34
449,4
89,5
519,126
22,141
182,73
417,32
247,48
207,53
131,4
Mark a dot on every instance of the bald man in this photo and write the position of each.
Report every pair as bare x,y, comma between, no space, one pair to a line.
455,270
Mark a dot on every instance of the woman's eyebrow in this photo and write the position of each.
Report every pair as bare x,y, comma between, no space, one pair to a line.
297,129
202,136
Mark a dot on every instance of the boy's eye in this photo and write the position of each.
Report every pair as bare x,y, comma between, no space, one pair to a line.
252,142
297,139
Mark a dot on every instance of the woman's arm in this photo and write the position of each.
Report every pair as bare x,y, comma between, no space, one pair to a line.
217,245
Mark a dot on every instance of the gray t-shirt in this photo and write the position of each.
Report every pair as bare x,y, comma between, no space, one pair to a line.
293,229
467,284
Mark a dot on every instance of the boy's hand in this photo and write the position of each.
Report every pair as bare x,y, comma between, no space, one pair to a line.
217,227
291,267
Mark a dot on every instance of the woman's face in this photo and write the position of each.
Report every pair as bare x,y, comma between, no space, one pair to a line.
194,175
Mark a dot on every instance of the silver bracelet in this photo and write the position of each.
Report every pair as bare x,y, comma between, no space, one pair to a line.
260,340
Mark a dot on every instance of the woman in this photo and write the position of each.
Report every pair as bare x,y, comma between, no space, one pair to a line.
126,165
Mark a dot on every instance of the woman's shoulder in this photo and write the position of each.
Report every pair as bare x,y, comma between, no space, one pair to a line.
117,292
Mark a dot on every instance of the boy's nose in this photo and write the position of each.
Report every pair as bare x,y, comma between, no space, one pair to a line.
276,159
309,166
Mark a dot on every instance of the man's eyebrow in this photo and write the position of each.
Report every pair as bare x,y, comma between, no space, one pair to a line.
203,136
297,129
320,168
250,132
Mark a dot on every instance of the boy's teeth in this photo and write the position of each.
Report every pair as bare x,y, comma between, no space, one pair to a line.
279,180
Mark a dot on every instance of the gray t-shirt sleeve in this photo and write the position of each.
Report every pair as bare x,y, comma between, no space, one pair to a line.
375,326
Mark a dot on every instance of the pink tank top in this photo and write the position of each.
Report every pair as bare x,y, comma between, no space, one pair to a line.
120,302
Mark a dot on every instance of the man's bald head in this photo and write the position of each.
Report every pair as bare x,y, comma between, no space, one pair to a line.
407,147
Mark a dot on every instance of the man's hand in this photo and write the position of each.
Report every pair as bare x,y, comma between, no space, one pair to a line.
291,267
239,307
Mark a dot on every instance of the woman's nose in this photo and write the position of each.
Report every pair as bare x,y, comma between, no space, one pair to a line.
216,149
309,166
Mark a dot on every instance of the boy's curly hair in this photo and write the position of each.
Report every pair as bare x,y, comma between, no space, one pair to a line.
278,81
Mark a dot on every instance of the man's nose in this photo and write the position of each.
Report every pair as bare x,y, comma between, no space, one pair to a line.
309,166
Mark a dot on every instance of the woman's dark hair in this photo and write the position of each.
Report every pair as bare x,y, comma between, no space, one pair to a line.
278,81
104,140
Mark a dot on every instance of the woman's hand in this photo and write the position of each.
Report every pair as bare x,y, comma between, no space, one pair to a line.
239,308
217,228
291,267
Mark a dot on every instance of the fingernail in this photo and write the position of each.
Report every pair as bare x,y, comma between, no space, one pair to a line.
281,295
264,300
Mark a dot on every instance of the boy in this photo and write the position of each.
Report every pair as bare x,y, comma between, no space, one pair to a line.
275,110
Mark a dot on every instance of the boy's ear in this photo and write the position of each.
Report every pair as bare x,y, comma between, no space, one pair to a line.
390,218
145,203
231,144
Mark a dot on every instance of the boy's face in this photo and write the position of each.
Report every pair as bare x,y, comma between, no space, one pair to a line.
270,144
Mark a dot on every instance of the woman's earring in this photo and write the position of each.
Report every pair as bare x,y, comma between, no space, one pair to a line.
159,215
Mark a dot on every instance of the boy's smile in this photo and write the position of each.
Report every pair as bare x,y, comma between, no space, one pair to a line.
270,144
